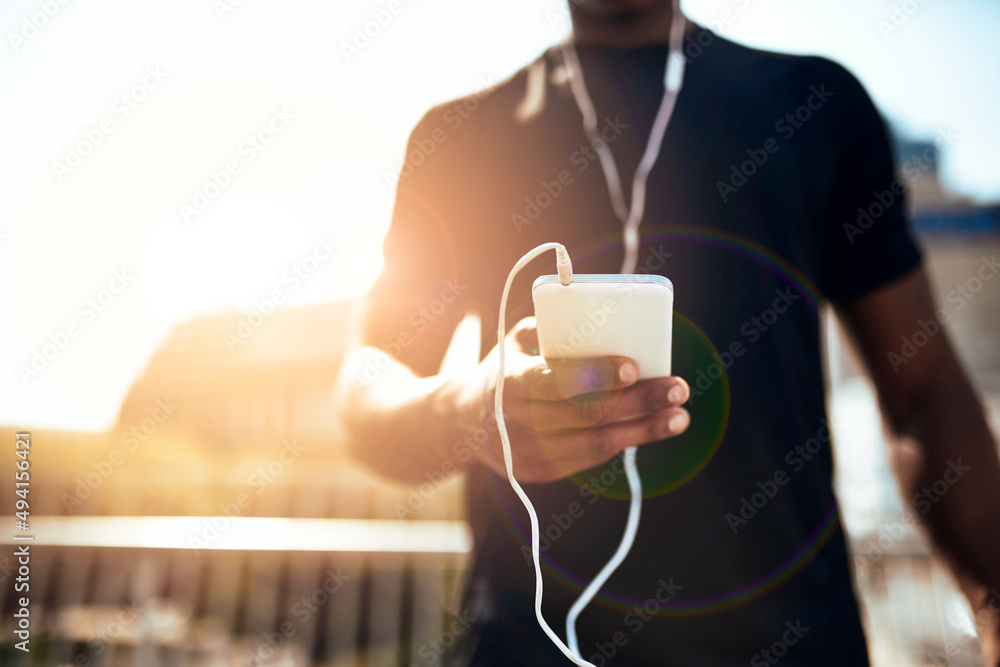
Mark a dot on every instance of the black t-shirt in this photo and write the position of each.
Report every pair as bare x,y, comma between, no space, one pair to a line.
753,214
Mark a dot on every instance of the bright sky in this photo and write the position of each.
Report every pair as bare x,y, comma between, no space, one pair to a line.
98,258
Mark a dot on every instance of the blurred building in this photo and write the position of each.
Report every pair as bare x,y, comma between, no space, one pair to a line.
960,238
934,210
250,380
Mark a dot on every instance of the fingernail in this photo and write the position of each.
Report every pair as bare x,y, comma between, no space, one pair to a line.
677,423
628,373
676,394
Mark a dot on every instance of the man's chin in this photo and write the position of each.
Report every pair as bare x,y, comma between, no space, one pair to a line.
620,8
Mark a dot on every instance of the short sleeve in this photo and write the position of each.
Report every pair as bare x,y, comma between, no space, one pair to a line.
416,302
871,243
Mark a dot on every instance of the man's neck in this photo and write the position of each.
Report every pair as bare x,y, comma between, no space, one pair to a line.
624,31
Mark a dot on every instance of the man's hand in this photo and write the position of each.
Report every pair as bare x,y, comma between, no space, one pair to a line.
985,607
575,415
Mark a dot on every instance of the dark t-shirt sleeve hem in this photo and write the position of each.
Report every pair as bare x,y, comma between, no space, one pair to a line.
885,261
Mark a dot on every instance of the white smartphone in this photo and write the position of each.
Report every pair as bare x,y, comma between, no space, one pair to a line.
606,314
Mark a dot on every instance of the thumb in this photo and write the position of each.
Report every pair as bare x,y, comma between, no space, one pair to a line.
525,336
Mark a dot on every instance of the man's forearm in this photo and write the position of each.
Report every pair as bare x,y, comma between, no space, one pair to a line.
401,426
957,487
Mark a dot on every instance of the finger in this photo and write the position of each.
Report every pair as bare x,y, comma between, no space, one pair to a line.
642,398
594,446
569,378
525,335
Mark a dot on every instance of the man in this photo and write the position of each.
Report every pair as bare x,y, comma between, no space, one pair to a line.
752,212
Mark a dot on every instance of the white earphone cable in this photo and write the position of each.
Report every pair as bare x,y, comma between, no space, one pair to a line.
630,217
505,442
673,79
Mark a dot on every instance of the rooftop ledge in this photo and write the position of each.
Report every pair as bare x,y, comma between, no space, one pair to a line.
243,534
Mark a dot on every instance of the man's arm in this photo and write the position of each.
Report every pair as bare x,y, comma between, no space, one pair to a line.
404,426
929,398
405,420
395,422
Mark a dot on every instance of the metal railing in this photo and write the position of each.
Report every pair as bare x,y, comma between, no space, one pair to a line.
109,591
